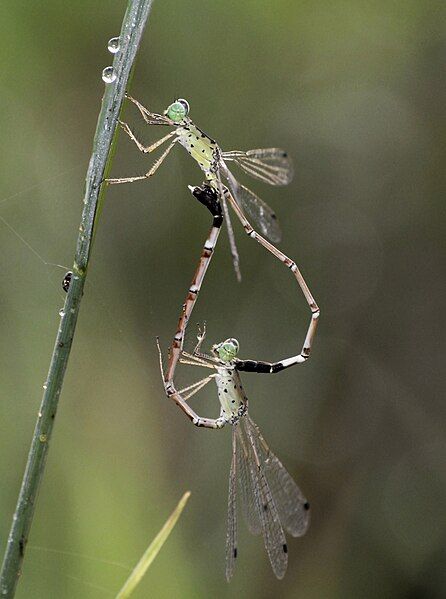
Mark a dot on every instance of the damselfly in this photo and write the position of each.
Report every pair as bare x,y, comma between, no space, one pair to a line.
209,197
270,498
270,165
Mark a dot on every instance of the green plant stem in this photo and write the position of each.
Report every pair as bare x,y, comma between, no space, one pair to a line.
131,33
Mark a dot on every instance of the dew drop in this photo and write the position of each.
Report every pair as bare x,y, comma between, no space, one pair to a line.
108,75
113,45
45,385
61,312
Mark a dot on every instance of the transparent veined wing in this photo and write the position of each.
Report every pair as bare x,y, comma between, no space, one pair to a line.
292,507
273,535
249,505
231,535
255,208
229,229
271,165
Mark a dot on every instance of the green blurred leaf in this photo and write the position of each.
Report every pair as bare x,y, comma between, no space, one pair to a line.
152,550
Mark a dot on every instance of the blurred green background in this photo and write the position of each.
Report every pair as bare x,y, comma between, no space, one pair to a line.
353,91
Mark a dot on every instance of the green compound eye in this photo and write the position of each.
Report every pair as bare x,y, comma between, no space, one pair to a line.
227,350
178,110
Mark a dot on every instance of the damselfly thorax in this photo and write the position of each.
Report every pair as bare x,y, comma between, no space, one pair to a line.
201,147
233,400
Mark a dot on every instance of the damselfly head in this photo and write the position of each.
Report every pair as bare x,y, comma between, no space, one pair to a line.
178,111
226,350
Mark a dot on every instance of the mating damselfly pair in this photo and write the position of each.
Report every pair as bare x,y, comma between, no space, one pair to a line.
271,499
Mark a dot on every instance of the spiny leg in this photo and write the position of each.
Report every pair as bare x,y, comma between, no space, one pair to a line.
151,118
181,402
197,353
251,365
145,113
142,148
200,338
197,359
194,363
209,197
194,358
151,172
191,390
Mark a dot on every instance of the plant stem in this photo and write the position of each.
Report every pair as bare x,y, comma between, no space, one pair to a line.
131,32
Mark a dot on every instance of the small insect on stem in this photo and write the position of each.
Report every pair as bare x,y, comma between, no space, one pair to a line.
66,281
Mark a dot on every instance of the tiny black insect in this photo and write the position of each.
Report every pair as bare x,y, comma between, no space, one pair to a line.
22,545
66,281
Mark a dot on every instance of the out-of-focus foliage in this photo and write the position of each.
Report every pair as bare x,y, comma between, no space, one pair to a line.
353,91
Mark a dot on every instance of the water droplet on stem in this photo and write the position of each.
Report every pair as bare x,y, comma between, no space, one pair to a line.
114,45
108,75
